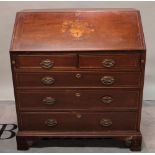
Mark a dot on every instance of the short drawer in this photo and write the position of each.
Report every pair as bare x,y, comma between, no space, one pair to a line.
110,61
78,121
45,62
78,79
100,100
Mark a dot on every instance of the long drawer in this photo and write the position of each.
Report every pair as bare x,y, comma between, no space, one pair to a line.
98,99
78,79
78,121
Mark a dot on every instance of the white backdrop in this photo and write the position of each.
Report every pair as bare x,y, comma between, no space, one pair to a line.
7,17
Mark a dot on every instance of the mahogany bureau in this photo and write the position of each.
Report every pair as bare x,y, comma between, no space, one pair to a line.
78,74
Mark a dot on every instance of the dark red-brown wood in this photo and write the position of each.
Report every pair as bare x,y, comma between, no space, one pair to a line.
78,99
82,47
67,61
121,61
86,79
78,121
78,30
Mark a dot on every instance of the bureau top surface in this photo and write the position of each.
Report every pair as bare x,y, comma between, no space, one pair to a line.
78,30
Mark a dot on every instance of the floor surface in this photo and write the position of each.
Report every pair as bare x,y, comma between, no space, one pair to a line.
8,115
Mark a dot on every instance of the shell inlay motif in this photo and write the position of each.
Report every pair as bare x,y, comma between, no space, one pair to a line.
77,28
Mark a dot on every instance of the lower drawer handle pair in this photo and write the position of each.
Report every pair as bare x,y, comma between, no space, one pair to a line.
106,80
106,122
51,101
51,122
103,122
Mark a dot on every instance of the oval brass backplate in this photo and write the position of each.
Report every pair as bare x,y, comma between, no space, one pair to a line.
47,64
49,100
51,122
108,63
47,80
106,99
107,80
106,122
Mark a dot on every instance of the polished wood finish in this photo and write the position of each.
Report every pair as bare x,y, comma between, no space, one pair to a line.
78,30
67,61
121,61
78,74
32,100
86,79
78,121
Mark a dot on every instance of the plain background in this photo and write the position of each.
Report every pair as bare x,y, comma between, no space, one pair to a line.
7,16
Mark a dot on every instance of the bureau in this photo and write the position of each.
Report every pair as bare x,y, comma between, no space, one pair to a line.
78,74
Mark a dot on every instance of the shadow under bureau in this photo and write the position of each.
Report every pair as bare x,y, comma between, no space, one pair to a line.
78,74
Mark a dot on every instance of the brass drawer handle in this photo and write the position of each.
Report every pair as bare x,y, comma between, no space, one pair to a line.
49,100
47,80
51,122
108,63
107,80
106,99
106,122
47,64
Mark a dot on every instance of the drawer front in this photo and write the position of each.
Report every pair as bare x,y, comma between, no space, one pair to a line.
78,99
107,61
79,121
46,62
78,79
